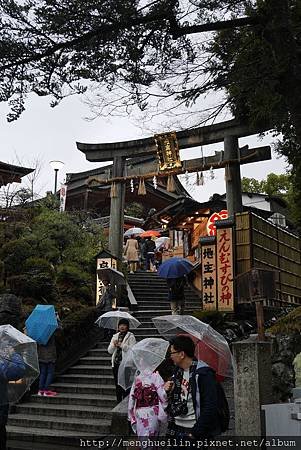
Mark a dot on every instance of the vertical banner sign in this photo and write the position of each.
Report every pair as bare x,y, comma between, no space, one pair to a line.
225,271
208,258
63,192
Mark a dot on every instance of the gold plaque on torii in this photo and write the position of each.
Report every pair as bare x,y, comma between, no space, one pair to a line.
168,151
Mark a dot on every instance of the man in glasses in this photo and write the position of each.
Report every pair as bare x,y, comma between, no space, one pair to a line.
192,392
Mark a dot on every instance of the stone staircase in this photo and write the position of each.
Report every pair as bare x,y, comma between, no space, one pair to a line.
86,392
82,409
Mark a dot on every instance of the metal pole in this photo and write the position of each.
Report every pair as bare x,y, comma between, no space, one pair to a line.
55,180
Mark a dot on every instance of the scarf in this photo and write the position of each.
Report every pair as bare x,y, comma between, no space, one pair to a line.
175,396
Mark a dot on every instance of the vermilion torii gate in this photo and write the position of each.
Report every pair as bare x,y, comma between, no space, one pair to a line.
232,157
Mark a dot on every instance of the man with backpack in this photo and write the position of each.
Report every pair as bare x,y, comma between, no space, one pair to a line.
195,401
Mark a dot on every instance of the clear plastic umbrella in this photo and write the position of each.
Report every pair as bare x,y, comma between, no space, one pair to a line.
163,241
19,365
112,275
133,231
211,346
144,356
111,319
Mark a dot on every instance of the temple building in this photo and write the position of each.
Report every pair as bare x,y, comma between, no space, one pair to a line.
12,174
89,191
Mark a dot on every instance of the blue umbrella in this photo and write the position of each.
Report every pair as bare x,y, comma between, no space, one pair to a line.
175,268
42,323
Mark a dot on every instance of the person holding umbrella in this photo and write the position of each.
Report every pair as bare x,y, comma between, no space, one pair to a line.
120,343
18,362
150,248
41,326
175,271
176,294
131,253
193,395
11,369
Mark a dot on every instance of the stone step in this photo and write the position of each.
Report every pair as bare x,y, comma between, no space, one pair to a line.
63,410
90,370
148,331
98,352
77,425
93,360
68,398
20,438
85,389
149,306
140,314
86,379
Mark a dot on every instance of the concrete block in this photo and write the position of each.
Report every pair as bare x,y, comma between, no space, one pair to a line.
252,385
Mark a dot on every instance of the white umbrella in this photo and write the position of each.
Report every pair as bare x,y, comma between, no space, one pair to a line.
163,241
133,231
210,346
19,364
144,356
111,319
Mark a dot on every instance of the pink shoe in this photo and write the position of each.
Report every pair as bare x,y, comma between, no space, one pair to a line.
41,393
50,394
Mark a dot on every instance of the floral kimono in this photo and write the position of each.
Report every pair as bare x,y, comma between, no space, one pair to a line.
147,403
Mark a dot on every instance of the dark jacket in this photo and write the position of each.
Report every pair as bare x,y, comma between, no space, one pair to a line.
176,289
47,353
205,401
150,246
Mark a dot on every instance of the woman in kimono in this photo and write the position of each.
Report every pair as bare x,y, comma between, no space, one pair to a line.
147,403
147,399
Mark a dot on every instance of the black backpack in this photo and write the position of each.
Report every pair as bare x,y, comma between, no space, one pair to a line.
223,408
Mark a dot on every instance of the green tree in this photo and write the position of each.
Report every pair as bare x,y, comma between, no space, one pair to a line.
53,257
153,49
51,46
279,185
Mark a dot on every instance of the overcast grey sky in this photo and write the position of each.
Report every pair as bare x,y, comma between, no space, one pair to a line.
52,133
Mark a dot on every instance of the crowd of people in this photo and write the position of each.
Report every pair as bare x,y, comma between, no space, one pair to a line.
179,398
142,254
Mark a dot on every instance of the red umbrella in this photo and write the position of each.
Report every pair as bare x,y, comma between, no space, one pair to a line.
150,233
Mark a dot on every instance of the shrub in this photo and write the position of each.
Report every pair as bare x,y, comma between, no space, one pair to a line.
13,254
38,287
37,266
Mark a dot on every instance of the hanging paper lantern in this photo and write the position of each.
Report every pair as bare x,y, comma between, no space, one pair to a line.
132,185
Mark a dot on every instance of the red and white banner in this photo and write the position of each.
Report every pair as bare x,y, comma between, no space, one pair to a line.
63,194
225,270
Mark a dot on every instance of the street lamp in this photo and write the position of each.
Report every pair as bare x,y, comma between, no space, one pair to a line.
56,165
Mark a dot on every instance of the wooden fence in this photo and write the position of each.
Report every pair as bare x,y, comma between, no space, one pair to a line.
259,243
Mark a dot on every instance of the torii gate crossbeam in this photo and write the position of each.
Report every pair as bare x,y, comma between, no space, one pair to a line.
227,132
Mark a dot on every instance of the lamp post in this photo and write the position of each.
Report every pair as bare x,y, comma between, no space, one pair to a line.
56,165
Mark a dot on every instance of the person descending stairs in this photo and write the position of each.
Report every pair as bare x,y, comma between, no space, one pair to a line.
86,392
